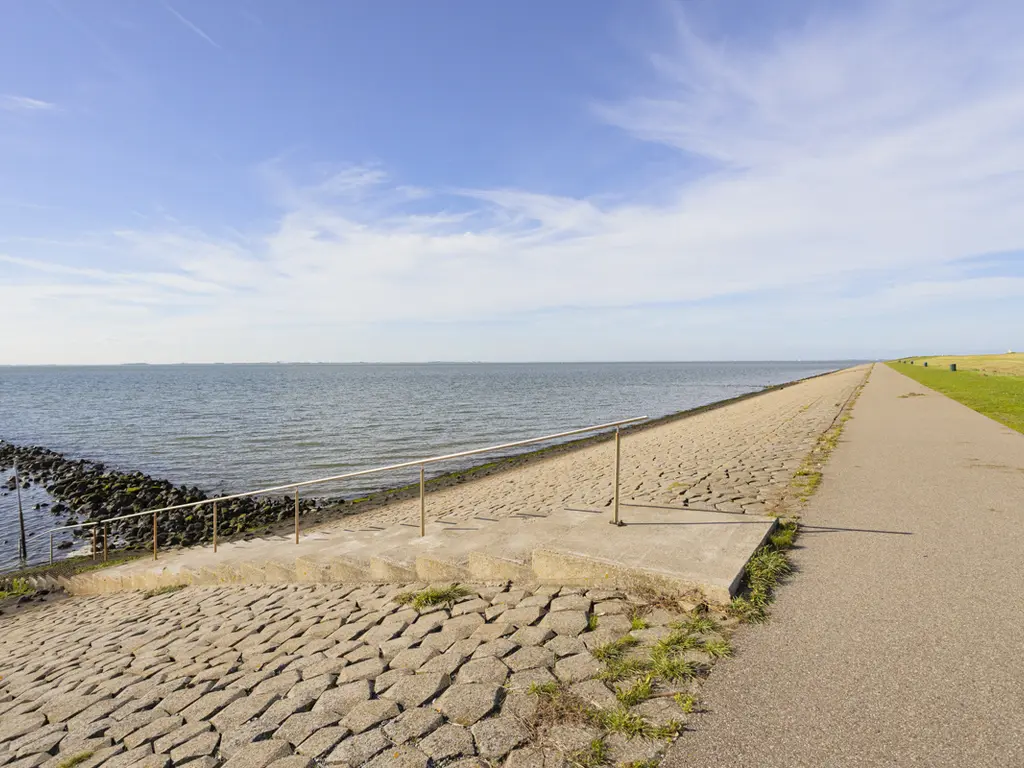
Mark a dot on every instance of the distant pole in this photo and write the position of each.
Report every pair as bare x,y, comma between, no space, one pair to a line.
22,545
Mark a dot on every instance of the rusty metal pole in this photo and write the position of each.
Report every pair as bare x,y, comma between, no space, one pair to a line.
104,542
615,503
51,549
423,504
94,543
296,515
154,535
215,526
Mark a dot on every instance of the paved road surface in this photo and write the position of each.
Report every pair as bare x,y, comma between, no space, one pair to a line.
901,642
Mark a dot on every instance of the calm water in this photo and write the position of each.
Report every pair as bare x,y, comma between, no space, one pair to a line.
236,427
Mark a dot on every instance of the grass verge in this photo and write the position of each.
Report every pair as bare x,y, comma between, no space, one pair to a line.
998,396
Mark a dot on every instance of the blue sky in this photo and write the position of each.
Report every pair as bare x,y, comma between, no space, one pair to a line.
229,181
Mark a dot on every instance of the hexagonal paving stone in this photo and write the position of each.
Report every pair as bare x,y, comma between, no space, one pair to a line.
530,658
533,635
343,698
412,724
569,623
574,669
322,741
356,750
417,690
447,742
413,658
370,714
497,736
466,703
486,670
400,757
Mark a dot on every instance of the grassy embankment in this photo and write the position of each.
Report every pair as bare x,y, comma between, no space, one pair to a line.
990,384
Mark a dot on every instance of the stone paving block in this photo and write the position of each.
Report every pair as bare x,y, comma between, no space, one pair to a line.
391,648
241,736
623,750
98,711
66,707
511,597
386,679
132,723
569,623
282,709
660,712
417,690
413,658
447,742
31,761
520,704
521,681
595,693
259,754
489,632
324,666
400,757
571,603
427,623
165,744
463,626
140,756
466,703
473,605
535,757
528,636
314,686
242,710
384,631
357,750
179,700
280,683
611,607
412,724
322,741
530,658
563,645
203,762
363,670
27,743
153,731
362,653
497,736
571,737
617,623
199,746
101,756
538,600
295,761
486,670
447,662
498,648
523,617
574,669
370,714
345,697
210,704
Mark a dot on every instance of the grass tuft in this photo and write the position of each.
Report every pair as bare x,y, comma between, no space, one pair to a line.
593,756
717,649
16,588
162,590
432,596
672,668
686,701
623,721
549,688
592,622
74,760
636,693
615,650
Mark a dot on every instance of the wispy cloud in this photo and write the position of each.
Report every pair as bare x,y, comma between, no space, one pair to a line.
194,27
13,103
861,162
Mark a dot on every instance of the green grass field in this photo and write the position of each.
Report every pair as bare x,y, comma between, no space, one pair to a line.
999,396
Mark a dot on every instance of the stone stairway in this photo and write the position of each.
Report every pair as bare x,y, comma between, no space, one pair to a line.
659,549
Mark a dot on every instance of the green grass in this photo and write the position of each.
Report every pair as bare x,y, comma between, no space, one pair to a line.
998,396
636,693
615,650
592,622
432,596
717,649
166,590
16,588
593,756
686,701
549,688
74,760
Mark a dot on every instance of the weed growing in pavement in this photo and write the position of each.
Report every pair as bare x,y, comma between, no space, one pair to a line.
717,648
593,756
636,693
16,588
686,701
615,650
74,760
591,622
431,596
162,590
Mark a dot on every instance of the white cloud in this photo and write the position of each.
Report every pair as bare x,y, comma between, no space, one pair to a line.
12,103
874,151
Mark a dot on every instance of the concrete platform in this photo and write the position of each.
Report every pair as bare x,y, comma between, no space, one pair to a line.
663,549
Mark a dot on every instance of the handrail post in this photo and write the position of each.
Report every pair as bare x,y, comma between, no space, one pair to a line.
215,526
104,542
423,503
296,515
615,503
51,549
154,535
94,543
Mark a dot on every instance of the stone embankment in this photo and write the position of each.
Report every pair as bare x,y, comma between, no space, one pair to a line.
342,676
87,491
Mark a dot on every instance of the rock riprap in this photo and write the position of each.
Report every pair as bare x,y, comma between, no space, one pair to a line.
310,675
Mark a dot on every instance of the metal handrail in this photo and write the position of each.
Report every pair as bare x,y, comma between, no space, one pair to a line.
421,463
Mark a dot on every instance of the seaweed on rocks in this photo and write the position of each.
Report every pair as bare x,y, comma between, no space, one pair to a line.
88,491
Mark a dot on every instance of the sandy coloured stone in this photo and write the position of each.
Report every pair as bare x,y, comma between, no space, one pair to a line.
343,698
530,658
153,731
209,705
66,707
356,750
413,658
490,632
383,632
370,714
522,617
350,631
651,635
362,653
595,693
571,737
574,669
31,761
280,683
427,623
400,757
243,710
132,723
463,626
391,648
98,711
486,670
386,679
447,742
447,662
512,597
638,749
417,690
314,686
466,703
41,739
522,681
528,636
412,724
570,623
295,761
498,648
439,641
324,666
201,745
260,754
563,645
535,757
363,670
538,600
322,741
661,712
474,605
599,637
176,738
139,757
497,736
282,709
571,603
611,607
494,611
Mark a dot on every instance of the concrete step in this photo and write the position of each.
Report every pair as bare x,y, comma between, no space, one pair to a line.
665,550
